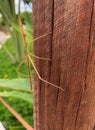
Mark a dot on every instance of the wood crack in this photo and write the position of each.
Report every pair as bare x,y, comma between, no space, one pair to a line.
87,59
52,28
78,111
89,46
91,20
94,127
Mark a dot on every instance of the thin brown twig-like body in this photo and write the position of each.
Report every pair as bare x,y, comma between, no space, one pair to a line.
41,58
21,120
17,70
30,60
26,47
42,36
42,78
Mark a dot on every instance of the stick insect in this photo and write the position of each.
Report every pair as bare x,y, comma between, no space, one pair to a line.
29,60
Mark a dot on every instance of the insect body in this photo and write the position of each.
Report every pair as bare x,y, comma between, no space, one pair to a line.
29,60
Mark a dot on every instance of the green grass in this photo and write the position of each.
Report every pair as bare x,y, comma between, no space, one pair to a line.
8,70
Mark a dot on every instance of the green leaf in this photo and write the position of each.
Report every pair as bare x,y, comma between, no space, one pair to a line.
21,84
16,128
7,9
25,96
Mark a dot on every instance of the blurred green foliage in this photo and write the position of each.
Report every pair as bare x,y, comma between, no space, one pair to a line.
8,70
7,10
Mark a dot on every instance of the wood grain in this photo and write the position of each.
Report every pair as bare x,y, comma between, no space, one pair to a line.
71,46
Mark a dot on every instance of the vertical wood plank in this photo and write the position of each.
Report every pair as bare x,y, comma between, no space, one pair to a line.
42,15
71,48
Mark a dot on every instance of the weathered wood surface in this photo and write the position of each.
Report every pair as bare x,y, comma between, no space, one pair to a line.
71,46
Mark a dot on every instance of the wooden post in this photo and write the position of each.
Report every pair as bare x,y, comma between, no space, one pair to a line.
71,46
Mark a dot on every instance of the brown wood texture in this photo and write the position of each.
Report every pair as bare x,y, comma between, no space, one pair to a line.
71,46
